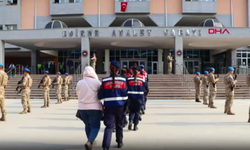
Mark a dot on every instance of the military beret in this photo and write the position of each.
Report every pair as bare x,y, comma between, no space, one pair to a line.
46,72
26,70
212,69
231,68
198,73
205,72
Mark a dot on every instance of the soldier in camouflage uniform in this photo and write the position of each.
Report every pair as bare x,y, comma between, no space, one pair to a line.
212,87
59,88
25,85
3,83
46,88
230,83
66,87
197,84
205,88
170,61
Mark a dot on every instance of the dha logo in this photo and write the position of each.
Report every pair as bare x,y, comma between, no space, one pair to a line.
216,31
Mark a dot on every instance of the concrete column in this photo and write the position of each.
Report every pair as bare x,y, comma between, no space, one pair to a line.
179,59
160,64
99,63
234,58
85,60
34,61
2,52
107,61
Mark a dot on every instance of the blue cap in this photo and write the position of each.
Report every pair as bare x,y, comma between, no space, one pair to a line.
66,74
205,72
58,72
135,68
115,63
1,65
142,66
26,70
198,73
212,69
46,72
169,53
231,68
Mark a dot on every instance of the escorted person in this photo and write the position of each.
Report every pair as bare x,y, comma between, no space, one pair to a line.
230,83
3,82
205,88
123,74
46,88
170,61
26,85
59,82
136,89
66,87
145,75
89,106
114,93
212,87
197,84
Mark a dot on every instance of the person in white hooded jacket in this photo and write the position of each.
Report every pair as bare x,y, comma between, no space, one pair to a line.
89,106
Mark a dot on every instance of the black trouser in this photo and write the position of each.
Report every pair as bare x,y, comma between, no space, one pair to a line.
113,118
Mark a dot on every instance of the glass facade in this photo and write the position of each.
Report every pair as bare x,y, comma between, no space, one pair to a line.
243,57
129,57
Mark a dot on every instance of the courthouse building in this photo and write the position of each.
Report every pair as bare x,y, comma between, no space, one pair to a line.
199,33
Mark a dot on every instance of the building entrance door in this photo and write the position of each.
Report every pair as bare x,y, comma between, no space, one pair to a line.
131,63
192,66
72,65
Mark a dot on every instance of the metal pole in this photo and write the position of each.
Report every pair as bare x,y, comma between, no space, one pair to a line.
99,15
232,17
35,14
166,14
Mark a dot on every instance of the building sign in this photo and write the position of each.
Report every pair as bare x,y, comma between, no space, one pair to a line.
179,53
132,32
182,32
84,53
218,31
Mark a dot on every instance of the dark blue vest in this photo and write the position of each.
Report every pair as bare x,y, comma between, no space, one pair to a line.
136,89
115,98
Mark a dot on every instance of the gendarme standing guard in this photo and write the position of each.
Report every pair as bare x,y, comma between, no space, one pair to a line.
230,83
25,85
205,88
3,83
93,61
170,61
66,87
46,88
212,87
197,84
59,82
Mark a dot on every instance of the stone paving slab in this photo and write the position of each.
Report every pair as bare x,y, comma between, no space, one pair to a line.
166,125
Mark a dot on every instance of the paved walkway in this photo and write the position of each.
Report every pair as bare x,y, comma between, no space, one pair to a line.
167,125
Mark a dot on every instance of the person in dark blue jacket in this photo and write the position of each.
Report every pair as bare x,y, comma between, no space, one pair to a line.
136,88
114,93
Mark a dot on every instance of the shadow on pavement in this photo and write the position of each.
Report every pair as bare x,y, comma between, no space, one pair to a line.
70,114
187,114
15,145
199,123
188,107
54,128
59,119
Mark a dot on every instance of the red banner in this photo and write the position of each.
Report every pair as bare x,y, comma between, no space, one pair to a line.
124,6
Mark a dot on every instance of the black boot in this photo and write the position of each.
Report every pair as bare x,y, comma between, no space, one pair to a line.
130,126
197,100
120,145
135,128
88,146
143,112
140,118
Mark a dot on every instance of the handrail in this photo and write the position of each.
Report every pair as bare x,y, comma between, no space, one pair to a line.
187,81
